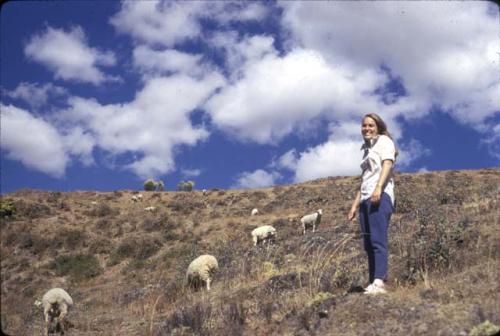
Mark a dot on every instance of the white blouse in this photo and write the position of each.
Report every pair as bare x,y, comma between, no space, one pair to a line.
380,149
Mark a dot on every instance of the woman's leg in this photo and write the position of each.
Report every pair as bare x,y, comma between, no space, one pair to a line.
378,219
367,244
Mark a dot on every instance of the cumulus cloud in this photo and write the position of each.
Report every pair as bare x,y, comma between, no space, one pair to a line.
444,53
278,94
32,141
36,95
332,158
150,126
168,23
256,179
410,152
158,62
67,54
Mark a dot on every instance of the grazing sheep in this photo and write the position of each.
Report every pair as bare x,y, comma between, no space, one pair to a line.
255,212
93,203
311,220
137,198
56,303
201,270
150,208
263,233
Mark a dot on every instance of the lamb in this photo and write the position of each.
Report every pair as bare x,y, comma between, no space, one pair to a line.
254,212
311,220
56,303
201,270
265,233
150,208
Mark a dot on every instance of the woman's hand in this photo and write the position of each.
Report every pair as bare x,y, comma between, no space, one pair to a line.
375,198
352,213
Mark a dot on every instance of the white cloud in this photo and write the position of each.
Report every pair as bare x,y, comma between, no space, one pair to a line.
238,51
286,161
36,95
332,158
167,61
80,143
446,53
256,179
32,141
168,23
159,22
68,55
277,95
191,172
411,152
151,126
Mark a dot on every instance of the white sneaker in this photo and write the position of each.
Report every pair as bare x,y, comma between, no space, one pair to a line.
377,287
368,288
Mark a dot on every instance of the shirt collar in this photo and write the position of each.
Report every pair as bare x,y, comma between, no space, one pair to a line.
370,144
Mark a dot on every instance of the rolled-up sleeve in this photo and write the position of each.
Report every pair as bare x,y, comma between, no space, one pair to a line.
387,149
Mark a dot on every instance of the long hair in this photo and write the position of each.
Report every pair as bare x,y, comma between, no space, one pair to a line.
381,127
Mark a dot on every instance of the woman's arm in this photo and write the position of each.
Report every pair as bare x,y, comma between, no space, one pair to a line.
386,170
354,208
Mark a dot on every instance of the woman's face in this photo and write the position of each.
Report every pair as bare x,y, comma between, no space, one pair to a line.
369,128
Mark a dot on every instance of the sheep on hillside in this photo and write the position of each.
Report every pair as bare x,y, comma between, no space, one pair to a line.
150,208
265,233
56,303
201,270
254,212
311,220
137,198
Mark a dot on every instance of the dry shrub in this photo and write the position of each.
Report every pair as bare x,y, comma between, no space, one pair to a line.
103,210
79,266
31,210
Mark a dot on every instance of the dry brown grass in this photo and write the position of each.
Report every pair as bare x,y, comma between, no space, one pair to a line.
444,249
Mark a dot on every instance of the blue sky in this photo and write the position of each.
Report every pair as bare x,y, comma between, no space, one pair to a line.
100,95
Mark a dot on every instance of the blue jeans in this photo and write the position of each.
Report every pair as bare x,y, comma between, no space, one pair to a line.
374,221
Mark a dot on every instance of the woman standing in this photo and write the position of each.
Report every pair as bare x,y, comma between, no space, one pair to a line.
375,200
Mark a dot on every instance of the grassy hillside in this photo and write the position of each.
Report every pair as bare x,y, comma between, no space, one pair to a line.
125,267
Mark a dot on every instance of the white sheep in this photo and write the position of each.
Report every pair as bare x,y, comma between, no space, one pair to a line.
311,220
254,212
93,203
265,233
201,270
137,198
56,303
150,208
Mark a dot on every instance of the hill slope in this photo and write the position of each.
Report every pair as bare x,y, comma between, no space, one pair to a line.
124,267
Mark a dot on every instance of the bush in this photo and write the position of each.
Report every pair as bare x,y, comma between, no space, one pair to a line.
149,185
78,266
7,208
185,186
103,210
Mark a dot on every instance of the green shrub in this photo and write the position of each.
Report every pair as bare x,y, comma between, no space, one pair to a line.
185,186
150,185
485,329
7,208
78,267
